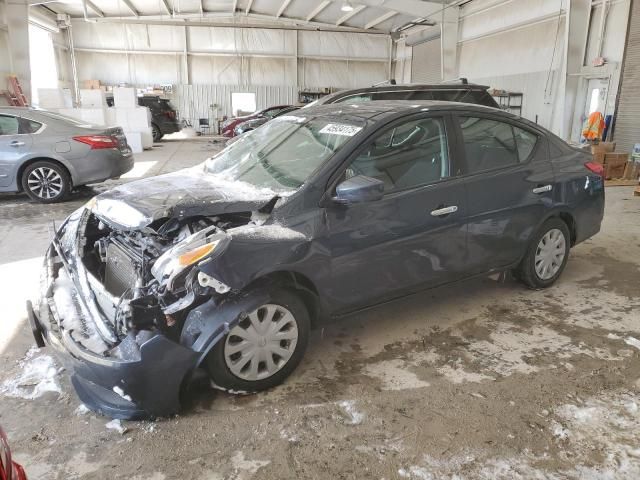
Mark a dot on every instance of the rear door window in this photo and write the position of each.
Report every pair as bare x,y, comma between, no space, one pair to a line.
526,142
8,125
488,144
29,126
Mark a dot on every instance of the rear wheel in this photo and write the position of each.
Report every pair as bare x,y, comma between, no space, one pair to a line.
46,182
546,256
264,348
157,134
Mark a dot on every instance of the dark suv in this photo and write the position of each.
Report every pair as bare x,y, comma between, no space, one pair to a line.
164,118
462,92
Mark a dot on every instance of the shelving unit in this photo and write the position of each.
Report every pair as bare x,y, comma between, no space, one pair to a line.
509,101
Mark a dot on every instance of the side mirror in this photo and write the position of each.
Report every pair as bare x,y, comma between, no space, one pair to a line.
359,189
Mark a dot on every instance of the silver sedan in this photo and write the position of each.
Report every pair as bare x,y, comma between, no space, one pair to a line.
46,154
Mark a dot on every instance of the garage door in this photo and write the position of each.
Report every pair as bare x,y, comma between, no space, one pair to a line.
426,62
627,127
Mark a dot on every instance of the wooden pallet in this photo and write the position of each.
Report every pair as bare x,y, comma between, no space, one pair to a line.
620,182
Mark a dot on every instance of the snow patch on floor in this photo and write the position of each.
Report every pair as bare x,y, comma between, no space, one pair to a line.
634,342
354,417
511,348
394,375
242,466
117,426
608,427
37,376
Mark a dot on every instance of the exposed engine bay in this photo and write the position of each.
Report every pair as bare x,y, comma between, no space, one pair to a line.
142,278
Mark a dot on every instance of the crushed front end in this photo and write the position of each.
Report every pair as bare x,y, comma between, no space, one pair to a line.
129,309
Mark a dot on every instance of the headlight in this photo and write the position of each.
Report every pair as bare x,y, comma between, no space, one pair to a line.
197,254
190,251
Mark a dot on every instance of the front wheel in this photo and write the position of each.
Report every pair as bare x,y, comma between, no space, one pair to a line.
546,256
264,348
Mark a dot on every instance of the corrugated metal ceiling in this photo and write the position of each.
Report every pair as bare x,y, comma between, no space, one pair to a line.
380,15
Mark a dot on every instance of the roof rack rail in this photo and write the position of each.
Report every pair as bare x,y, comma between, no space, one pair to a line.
457,81
391,81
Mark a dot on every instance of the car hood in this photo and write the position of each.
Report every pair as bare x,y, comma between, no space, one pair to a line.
182,194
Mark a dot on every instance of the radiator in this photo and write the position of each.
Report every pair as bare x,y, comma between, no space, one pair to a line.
120,272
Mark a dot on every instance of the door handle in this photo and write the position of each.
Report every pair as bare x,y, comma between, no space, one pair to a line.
444,211
542,189
16,143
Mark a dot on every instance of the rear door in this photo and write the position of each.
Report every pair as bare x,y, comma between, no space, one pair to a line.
509,181
415,235
14,146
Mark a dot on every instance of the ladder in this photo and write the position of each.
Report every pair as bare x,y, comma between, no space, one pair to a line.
16,96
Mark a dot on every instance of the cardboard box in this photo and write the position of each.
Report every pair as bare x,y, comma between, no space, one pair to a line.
614,169
603,147
616,157
598,157
631,171
91,84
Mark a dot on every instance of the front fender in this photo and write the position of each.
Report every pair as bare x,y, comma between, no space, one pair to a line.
256,251
208,323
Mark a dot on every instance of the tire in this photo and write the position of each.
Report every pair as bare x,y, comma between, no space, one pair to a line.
46,182
156,133
224,363
543,251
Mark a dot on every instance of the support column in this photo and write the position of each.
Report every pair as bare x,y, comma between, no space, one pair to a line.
17,14
449,42
576,33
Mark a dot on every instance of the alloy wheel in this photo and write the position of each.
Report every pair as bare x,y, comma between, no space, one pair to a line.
262,343
550,254
45,183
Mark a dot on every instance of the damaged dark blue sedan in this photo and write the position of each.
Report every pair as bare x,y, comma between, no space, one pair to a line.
226,266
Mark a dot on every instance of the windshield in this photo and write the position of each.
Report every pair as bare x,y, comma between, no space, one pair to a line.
282,154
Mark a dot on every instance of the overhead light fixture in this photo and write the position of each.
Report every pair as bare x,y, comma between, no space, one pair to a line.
347,7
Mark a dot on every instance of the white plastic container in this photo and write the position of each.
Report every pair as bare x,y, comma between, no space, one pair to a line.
125,97
93,98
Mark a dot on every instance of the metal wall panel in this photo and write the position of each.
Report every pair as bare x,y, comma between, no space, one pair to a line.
627,122
426,64
196,101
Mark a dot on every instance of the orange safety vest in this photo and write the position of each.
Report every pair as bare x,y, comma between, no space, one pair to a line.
593,126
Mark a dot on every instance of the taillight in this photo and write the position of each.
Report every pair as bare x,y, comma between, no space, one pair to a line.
596,168
97,142
170,114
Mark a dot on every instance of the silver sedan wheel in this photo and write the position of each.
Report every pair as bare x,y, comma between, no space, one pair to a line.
550,254
261,344
45,182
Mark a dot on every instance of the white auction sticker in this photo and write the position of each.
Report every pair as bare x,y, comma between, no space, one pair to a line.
340,129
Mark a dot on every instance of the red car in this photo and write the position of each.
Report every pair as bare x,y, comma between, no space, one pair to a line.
9,470
229,126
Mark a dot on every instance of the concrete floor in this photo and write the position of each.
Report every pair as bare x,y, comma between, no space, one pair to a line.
484,379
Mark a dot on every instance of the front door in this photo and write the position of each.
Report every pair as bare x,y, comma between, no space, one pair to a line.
415,235
13,146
